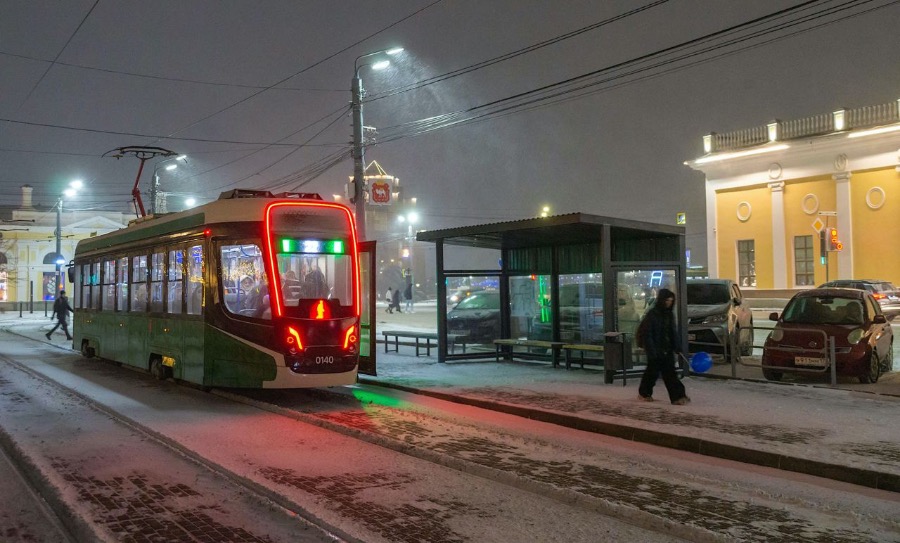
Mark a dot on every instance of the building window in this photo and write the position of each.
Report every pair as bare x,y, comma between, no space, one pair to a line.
804,272
746,262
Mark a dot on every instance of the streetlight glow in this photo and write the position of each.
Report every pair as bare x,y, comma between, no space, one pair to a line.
359,152
190,202
171,167
68,192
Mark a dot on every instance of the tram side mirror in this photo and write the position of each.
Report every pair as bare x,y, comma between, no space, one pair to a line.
71,273
773,317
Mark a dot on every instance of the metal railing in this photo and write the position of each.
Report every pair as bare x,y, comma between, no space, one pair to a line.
731,351
861,117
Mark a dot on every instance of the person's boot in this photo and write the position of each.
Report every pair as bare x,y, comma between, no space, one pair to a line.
48,335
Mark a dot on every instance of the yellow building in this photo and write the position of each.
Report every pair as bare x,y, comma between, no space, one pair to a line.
28,246
775,192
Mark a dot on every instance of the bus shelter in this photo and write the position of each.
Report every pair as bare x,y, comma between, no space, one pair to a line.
544,283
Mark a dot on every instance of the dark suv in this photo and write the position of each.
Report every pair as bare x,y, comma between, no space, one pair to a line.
718,315
884,292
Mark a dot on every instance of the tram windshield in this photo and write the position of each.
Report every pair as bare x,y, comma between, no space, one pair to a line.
315,270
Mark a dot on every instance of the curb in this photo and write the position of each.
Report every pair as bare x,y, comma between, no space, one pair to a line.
846,474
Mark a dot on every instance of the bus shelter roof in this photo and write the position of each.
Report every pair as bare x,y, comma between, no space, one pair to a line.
547,231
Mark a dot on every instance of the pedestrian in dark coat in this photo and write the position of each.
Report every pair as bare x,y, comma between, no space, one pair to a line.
395,300
61,310
661,343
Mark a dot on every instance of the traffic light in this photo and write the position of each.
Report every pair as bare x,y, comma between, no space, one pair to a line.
834,244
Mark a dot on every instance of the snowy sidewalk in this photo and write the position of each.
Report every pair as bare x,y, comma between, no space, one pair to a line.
845,435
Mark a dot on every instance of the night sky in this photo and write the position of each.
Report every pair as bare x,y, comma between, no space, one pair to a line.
257,94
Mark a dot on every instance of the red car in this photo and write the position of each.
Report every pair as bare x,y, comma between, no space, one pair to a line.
863,340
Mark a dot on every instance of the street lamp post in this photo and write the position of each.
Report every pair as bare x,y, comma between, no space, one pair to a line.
359,154
157,204
410,219
70,192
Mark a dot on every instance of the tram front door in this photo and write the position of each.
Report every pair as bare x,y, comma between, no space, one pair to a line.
367,271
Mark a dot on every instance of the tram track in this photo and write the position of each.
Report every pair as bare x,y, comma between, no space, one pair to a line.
693,504
698,499
72,518
258,485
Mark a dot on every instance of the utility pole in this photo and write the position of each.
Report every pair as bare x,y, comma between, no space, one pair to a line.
359,157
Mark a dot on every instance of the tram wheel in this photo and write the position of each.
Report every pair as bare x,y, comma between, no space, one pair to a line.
86,350
157,370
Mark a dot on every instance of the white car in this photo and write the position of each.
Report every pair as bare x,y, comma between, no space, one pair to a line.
718,316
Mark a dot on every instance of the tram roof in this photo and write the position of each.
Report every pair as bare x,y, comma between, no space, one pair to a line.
571,228
226,209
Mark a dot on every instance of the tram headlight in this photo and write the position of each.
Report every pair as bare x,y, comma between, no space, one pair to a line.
351,339
292,340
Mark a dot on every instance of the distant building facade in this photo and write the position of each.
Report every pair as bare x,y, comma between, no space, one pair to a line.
772,191
28,246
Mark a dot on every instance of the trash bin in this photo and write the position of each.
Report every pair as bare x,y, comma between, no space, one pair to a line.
616,355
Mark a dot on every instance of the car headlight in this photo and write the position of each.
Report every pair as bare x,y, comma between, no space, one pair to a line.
856,335
713,319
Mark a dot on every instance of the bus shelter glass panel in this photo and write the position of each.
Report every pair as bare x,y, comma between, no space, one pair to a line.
526,299
581,318
636,291
476,315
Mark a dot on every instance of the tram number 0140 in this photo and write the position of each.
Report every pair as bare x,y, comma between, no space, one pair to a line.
324,360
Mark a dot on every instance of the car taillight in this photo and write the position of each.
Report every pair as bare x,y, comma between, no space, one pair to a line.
879,296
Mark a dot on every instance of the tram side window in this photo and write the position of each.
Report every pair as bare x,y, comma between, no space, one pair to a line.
82,297
245,286
95,285
157,272
122,284
195,280
139,283
109,285
175,281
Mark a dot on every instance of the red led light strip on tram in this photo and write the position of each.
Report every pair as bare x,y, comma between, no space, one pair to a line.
270,251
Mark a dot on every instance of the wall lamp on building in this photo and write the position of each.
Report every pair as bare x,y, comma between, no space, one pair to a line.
875,131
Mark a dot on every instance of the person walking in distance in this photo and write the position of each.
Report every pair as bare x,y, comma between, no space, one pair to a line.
395,303
661,342
389,298
61,310
408,296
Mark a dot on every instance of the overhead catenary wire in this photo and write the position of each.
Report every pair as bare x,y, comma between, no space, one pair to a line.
525,99
545,96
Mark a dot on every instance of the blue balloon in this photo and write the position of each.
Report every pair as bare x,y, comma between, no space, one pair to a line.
701,362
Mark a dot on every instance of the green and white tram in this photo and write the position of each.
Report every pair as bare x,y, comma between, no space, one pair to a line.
253,290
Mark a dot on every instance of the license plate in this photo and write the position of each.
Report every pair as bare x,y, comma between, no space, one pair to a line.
692,337
809,361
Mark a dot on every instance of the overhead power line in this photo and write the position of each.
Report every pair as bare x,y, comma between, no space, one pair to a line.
565,90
